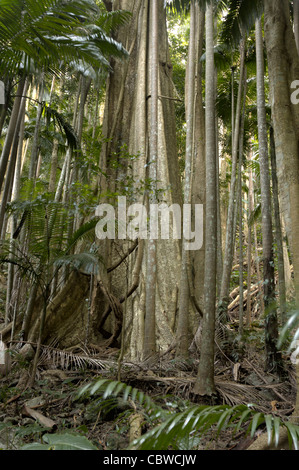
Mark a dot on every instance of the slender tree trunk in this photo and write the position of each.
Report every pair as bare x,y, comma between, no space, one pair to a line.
11,131
205,384
229,245
35,143
219,225
240,206
4,110
150,305
182,327
249,249
198,195
12,162
241,257
271,326
15,195
278,233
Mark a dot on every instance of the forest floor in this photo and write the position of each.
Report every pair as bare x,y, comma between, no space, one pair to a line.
52,404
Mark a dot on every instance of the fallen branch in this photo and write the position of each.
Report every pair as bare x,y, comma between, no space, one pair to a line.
253,290
43,420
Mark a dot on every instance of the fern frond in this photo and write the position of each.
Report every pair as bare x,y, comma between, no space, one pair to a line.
174,428
108,389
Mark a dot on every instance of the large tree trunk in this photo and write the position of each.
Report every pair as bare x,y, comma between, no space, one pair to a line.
283,66
149,347
126,122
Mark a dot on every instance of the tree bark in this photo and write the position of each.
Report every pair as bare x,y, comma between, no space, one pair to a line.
126,118
183,317
204,384
150,294
11,131
229,245
271,325
278,233
283,65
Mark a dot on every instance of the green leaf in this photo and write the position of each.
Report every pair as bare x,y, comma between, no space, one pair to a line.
35,446
68,442
269,425
276,430
255,423
293,433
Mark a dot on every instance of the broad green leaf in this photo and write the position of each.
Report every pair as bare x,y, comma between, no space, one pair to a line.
68,442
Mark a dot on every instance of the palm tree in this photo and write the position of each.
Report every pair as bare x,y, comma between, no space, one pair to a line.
205,379
183,317
229,247
36,36
271,327
42,33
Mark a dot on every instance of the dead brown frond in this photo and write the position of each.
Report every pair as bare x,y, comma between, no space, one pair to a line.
70,360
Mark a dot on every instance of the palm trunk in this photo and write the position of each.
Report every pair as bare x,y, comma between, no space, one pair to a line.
35,143
11,131
271,326
240,206
15,195
278,233
249,249
205,384
199,171
182,327
12,163
229,245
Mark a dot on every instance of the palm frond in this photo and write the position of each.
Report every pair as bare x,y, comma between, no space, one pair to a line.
69,360
240,18
64,125
48,31
86,230
195,420
86,263
107,389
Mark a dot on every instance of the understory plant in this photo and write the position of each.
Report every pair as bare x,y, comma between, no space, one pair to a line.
170,430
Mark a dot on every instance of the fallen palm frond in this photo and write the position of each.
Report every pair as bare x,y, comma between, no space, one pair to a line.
68,360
